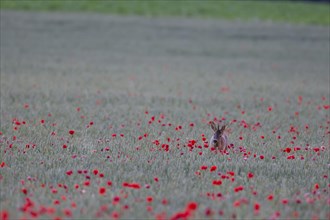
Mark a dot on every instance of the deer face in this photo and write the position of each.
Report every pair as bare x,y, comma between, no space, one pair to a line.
216,138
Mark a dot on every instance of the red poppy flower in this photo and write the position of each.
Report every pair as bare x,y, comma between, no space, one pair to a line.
316,186
238,188
209,212
24,191
297,148
164,201
115,215
149,208
67,212
213,168
102,191
4,215
95,171
180,215
192,206
256,206
250,175
116,200
291,157
270,197
203,167
54,190
71,132
231,173
237,203
149,199
217,182
132,185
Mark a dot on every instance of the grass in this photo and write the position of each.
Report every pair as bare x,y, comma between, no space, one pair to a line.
46,172
275,11
83,139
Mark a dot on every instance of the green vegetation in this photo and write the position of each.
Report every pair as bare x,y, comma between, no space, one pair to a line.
139,148
107,118
293,12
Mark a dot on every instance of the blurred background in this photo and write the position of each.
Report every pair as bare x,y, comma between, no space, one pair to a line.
157,48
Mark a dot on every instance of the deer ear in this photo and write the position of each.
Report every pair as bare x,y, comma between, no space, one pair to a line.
213,126
222,129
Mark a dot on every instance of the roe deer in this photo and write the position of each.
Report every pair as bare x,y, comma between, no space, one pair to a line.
219,139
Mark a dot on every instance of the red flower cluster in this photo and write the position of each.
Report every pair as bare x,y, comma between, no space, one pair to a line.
132,185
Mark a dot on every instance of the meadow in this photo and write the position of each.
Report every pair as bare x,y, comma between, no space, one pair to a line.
105,154
98,154
99,123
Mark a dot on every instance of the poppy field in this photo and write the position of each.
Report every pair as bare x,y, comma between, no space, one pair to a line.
128,139
109,156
